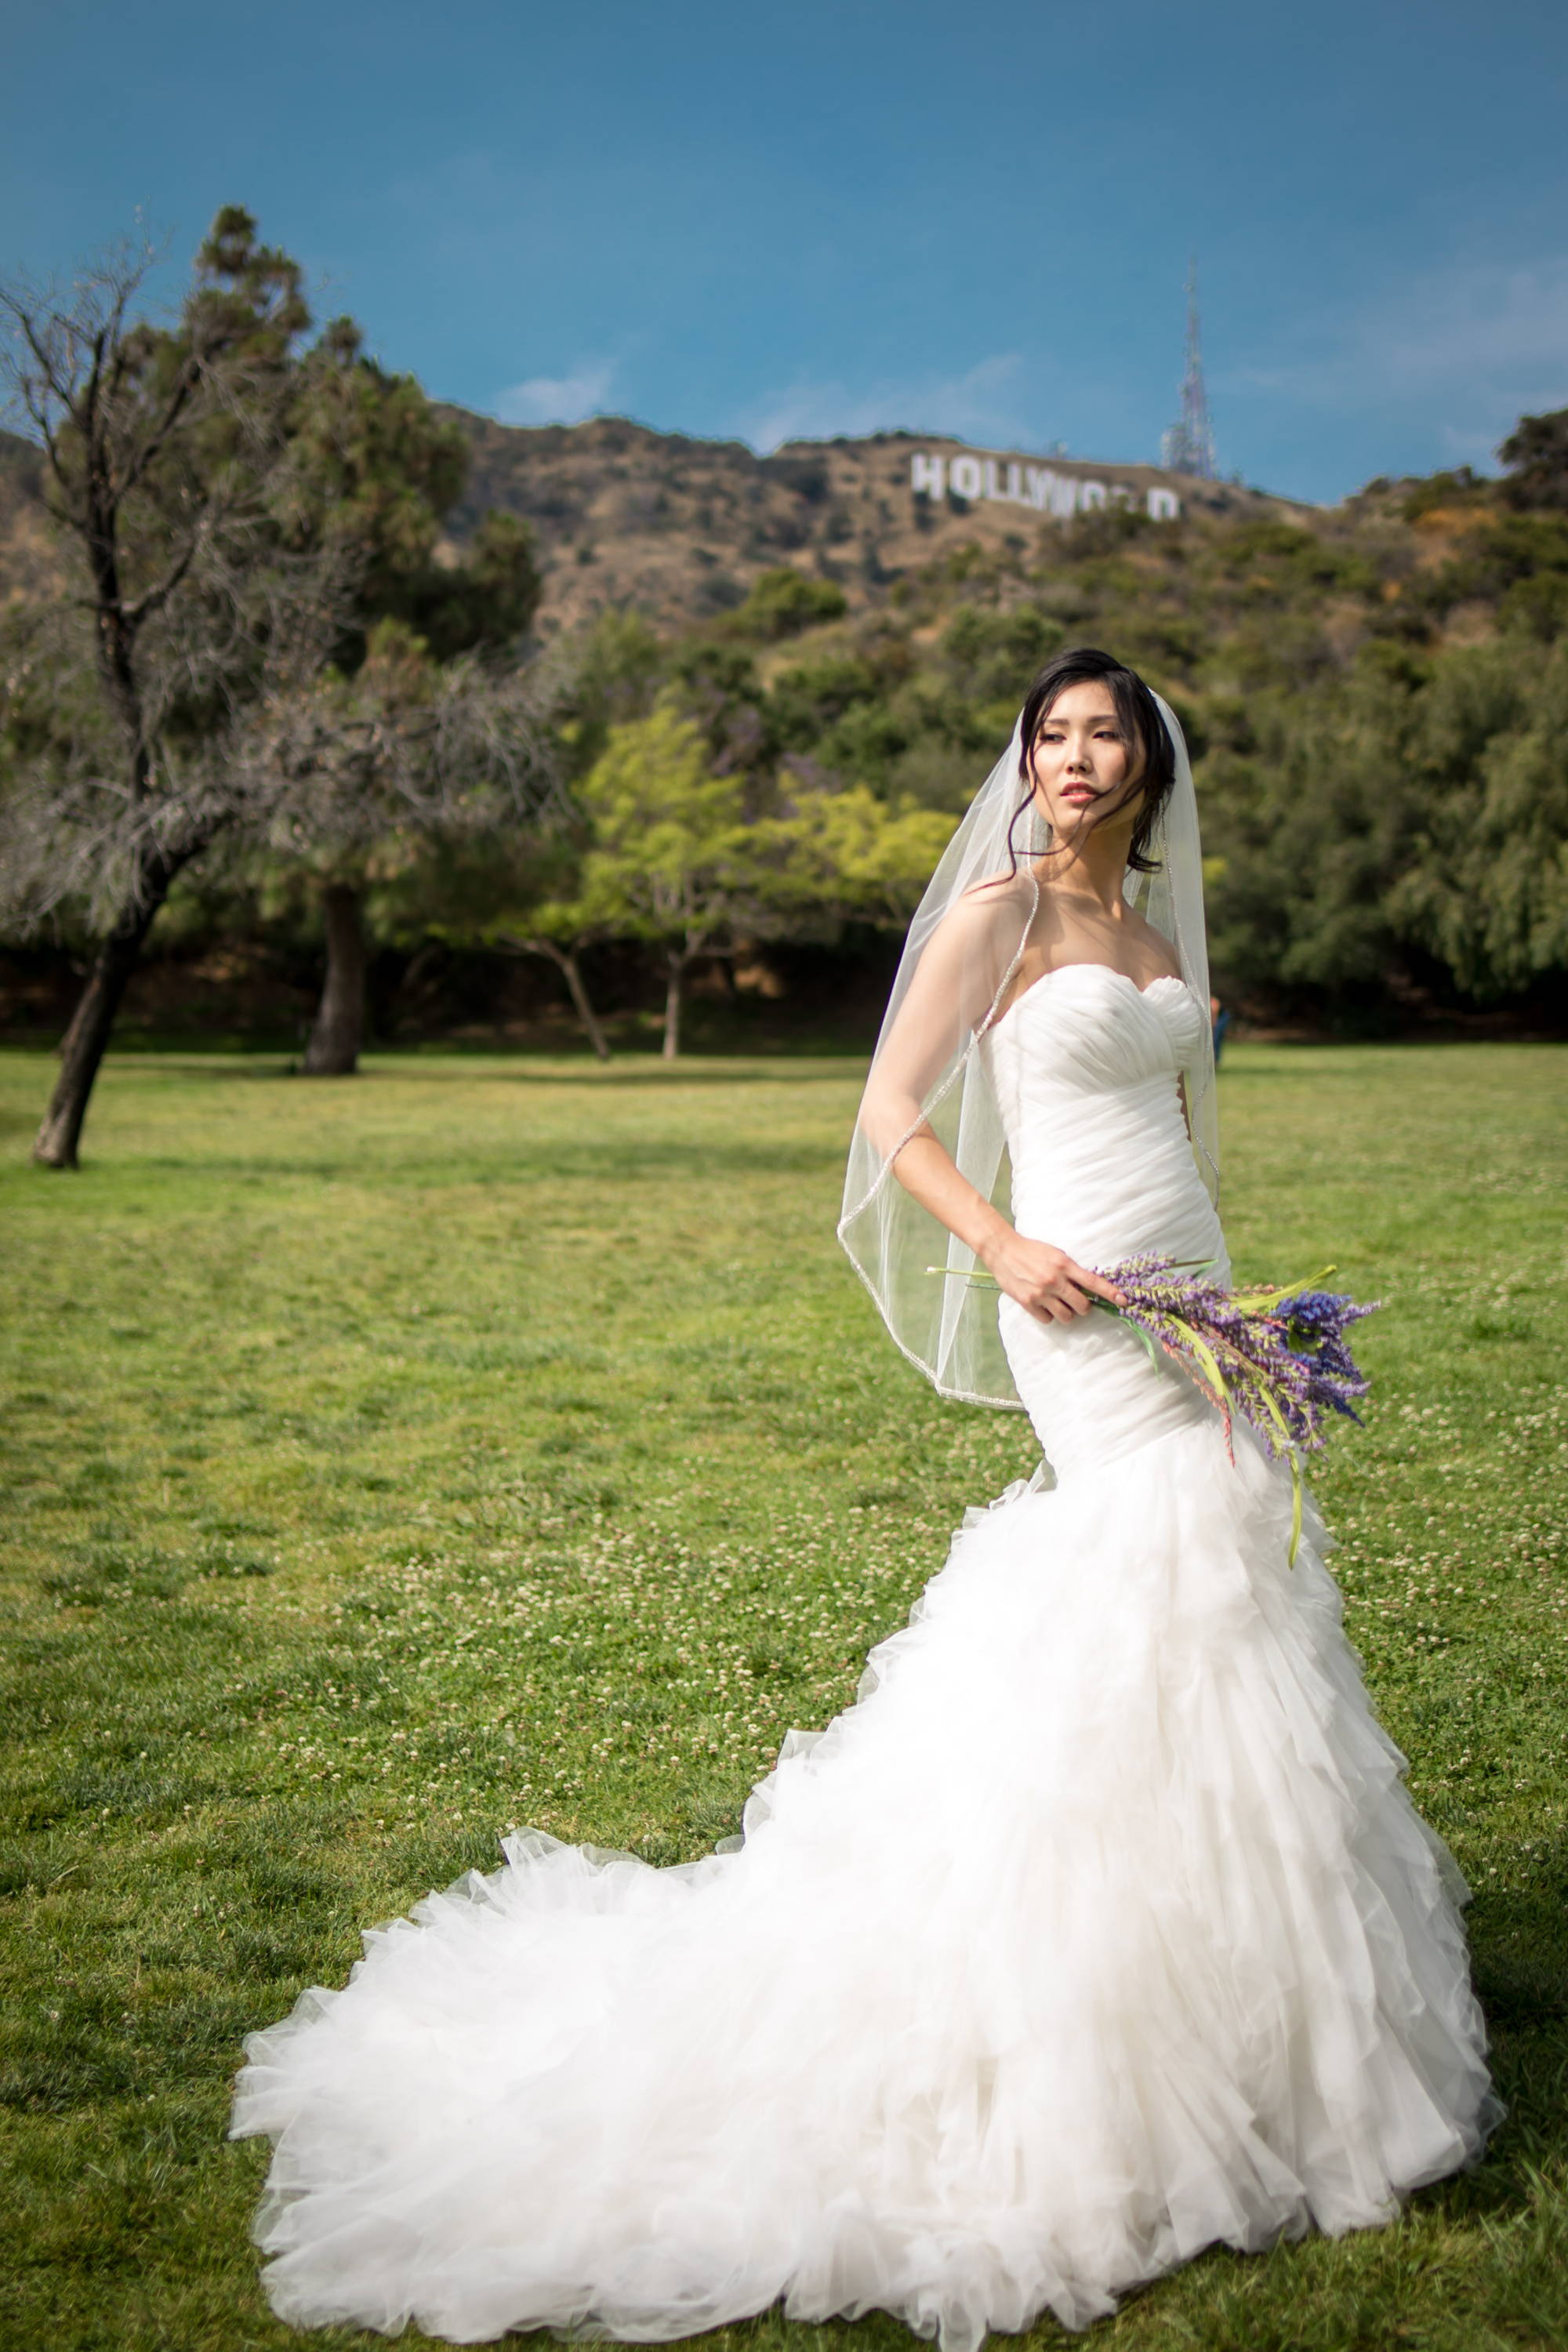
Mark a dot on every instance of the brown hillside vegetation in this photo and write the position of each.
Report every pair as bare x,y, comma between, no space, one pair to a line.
625,517
29,560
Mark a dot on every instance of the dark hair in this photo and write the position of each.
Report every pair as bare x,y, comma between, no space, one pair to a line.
1154,767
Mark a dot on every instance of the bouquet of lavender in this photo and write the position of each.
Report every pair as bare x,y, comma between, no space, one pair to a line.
1278,1358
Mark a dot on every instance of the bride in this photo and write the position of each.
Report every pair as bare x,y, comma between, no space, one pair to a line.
1101,1929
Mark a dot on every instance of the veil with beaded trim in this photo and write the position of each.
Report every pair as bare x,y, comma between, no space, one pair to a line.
964,947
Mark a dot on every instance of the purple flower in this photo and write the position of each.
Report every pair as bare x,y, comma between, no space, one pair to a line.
1279,1357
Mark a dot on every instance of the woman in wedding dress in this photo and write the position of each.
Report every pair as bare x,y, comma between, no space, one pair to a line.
1101,1928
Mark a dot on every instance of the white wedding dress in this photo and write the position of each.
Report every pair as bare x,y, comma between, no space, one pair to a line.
1100,1927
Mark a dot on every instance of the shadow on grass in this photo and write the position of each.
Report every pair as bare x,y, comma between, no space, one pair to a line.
609,1160
493,1067
1520,1958
21,1125
811,1070
1266,1057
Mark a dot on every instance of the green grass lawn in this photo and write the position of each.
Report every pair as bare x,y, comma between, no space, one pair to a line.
485,1441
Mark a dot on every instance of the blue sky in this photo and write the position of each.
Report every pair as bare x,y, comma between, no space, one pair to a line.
764,221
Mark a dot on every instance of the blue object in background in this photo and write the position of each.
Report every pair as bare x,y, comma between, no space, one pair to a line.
1221,1023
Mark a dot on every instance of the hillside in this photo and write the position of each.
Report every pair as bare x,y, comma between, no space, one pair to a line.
1374,698
681,529
28,563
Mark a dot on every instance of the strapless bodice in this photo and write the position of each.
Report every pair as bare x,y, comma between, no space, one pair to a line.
1085,1065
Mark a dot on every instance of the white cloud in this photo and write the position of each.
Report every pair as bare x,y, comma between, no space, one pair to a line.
981,403
1477,324
1470,346
558,399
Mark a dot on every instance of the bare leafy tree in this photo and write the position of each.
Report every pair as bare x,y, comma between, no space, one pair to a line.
241,510
193,604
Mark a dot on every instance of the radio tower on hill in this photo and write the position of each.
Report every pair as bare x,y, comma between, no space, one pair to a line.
1188,446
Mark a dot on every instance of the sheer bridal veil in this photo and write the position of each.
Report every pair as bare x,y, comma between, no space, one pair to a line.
964,945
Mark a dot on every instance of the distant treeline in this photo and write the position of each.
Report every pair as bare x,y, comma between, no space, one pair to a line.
1376,701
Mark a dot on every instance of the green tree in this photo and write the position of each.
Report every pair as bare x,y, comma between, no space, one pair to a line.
848,854
1536,456
1306,828
377,467
1417,812
519,891
376,471
376,771
672,858
806,701
785,601
560,925
1485,887
995,655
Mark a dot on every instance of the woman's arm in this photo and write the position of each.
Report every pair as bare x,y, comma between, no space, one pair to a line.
953,992
1037,1274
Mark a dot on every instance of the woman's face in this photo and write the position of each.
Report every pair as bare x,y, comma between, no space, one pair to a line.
1080,762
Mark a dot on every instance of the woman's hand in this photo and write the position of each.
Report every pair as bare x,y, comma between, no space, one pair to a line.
1044,1279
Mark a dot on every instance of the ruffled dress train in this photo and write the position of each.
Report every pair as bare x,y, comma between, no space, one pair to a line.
1101,1928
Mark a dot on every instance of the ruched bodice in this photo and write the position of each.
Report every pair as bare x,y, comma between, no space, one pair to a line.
1085,1067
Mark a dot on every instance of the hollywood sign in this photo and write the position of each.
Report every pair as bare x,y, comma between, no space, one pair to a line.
1009,482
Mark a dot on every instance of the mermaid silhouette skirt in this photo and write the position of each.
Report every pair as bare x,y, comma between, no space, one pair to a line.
1099,1929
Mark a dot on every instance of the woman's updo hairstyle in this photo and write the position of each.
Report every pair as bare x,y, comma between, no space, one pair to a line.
1153,766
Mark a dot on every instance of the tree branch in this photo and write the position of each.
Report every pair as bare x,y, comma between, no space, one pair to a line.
153,599
159,435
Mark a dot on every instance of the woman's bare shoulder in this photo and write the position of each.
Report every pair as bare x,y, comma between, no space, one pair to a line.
1154,946
997,900
999,892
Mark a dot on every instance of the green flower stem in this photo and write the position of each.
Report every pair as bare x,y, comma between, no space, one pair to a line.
1206,1361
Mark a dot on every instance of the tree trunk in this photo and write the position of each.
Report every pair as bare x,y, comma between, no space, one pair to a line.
337,1034
672,1008
565,961
585,1012
83,1046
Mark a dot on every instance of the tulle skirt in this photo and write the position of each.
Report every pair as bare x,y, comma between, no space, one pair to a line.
1099,1929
